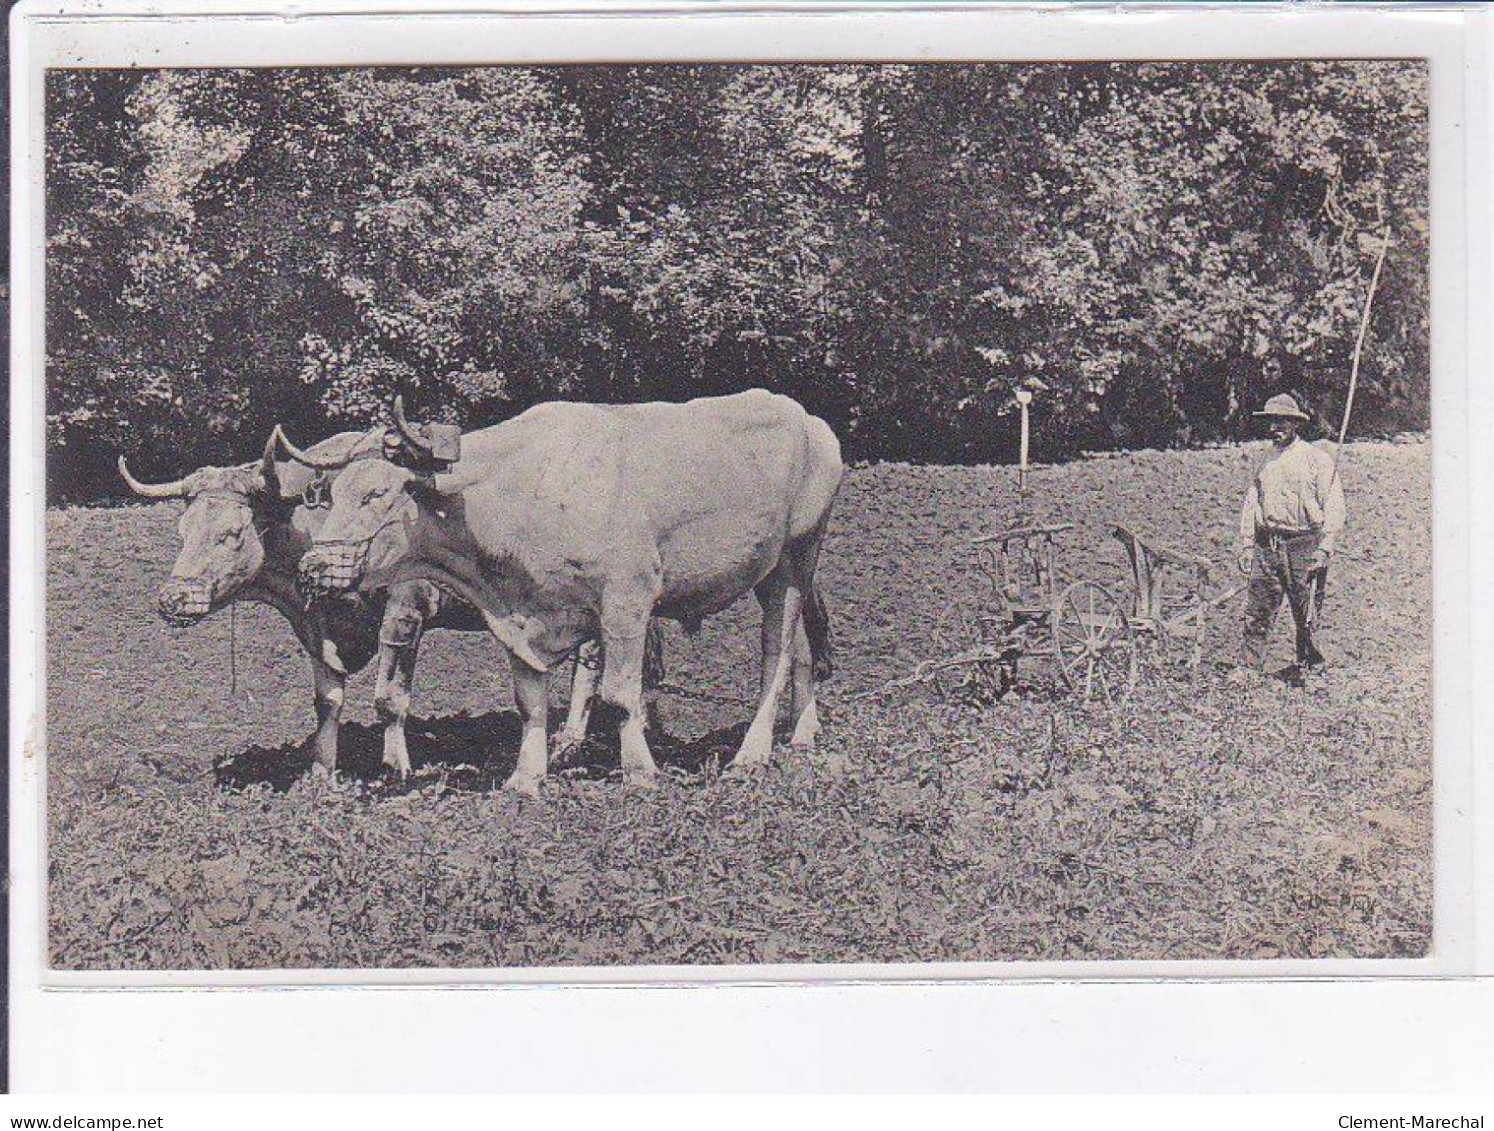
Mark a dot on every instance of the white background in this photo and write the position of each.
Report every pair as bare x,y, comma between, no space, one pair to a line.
1300,1035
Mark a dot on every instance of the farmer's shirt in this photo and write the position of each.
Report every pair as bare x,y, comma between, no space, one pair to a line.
1295,492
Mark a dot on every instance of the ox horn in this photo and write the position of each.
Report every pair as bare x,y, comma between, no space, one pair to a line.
267,470
408,430
320,463
176,489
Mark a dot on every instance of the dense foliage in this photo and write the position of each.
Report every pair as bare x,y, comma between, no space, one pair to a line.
1150,248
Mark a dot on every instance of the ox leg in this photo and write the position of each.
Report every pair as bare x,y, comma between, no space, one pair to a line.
328,686
392,701
781,603
813,647
624,637
803,709
584,680
532,693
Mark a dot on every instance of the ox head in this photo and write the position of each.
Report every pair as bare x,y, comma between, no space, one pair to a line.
221,530
374,502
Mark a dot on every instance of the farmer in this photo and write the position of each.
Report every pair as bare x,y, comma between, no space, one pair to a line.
1292,515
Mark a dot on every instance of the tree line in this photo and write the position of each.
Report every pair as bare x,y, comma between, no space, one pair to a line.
1150,248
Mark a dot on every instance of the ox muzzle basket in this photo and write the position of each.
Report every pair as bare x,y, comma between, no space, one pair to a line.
332,567
183,601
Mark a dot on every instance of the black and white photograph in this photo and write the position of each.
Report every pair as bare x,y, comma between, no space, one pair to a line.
737,515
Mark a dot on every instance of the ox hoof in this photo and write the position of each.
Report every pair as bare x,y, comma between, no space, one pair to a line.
804,740
740,767
806,727
753,756
636,778
327,783
523,785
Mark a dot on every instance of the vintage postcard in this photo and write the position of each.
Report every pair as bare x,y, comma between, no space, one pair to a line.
709,516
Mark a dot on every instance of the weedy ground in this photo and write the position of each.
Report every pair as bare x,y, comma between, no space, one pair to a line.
1199,820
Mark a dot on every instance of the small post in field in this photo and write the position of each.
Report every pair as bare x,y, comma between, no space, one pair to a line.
1024,398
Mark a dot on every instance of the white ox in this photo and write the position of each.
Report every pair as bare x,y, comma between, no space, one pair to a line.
243,533
573,521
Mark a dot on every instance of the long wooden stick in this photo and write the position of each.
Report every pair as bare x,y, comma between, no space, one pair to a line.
1315,597
1024,398
1359,345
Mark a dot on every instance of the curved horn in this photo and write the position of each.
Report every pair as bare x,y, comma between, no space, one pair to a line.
408,430
176,489
320,463
267,469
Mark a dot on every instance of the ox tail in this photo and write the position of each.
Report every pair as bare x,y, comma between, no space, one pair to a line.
817,628
653,655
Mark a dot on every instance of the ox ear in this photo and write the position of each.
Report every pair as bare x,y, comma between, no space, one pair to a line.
422,488
430,498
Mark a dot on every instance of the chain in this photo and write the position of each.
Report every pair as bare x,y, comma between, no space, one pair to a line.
317,495
707,696
233,666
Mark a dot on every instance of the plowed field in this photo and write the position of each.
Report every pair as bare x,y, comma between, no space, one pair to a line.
1201,819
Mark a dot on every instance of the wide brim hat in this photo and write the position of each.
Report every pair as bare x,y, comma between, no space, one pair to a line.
1283,405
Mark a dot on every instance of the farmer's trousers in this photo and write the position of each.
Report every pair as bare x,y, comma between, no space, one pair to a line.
1282,567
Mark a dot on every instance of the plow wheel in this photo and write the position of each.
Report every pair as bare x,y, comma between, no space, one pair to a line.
1093,643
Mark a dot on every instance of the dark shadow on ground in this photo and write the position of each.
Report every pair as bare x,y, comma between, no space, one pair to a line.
1291,675
601,755
703,757
476,753
471,751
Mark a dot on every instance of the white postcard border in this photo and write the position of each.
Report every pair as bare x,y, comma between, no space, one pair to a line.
177,34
